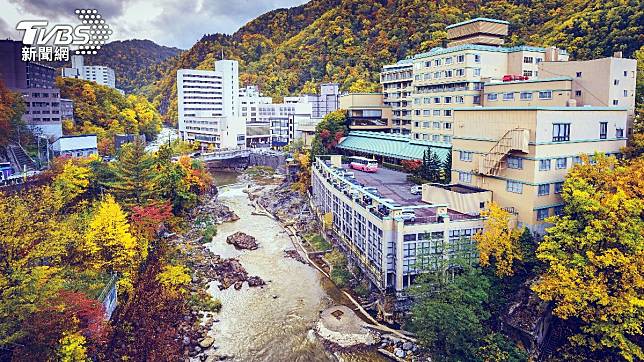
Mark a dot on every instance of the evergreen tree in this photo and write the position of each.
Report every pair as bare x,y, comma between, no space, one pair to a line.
446,172
133,174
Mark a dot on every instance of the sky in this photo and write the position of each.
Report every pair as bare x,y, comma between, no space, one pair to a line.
177,23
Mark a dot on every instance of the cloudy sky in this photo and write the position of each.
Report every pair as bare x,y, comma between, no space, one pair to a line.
178,23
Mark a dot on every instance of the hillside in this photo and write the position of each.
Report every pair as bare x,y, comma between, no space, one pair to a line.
133,61
286,51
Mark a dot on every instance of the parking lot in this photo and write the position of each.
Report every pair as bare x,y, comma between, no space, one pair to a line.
390,184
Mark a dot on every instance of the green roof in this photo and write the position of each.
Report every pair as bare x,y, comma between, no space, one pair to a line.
487,48
475,20
390,145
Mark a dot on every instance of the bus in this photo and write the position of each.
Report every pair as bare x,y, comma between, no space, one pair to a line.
363,164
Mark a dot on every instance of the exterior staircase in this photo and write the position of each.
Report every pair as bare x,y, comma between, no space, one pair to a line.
493,162
20,160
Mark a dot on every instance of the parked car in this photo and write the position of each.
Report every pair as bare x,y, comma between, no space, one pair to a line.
408,215
416,189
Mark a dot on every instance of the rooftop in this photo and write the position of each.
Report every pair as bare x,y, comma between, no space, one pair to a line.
536,80
540,108
487,48
475,20
390,145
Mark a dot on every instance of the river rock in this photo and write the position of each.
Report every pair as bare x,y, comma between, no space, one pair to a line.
242,241
399,353
407,346
231,272
206,342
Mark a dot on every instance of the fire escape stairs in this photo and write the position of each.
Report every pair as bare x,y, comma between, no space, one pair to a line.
493,162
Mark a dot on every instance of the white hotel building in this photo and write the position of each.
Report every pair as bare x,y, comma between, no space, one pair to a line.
98,74
208,106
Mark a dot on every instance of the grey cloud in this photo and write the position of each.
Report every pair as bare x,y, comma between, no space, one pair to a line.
57,9
6,31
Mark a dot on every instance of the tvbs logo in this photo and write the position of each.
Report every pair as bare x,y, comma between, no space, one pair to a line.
87,37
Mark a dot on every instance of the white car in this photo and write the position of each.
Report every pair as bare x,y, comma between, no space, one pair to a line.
416,189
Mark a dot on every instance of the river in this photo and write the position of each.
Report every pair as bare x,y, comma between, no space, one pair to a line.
274,323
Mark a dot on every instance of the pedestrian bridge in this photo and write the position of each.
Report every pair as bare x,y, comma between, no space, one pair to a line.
221,155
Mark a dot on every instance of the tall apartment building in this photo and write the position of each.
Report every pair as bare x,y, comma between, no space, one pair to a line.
605,82
99,74
258,129
208,106
396,80
36,82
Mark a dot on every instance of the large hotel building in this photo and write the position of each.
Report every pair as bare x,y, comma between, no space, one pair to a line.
512,119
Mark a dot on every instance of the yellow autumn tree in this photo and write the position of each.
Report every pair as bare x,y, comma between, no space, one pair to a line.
72,182
109,243
72,348
498,242
174,279
594,256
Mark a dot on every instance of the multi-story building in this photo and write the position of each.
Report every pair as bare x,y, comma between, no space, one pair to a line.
208,106
258,128
284,117
526,93
99,74
326,102
396,80
36,82
366,111
391,238
66,109
605,82
522,154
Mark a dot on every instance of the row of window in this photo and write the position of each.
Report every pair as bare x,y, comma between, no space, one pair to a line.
439,100
542,214
436,125
433,137
524,96
459,72
447,61
436,112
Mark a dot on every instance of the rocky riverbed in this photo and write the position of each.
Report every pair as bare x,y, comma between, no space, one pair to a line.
242,241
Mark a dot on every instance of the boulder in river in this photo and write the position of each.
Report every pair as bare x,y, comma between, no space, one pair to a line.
241,240
231,272
206,342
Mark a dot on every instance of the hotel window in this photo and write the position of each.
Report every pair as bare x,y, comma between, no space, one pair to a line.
417,124
448,60
544,190
417,77
526,96
515,163
477,58
427,76
437,75
417,112
544,165
447,113
447,139
425,124
576,160
416,100
558,187
437,100
437,62
459,99
447,100
427,100
539,60
616,82
508,96
560,132
625,93
578,74
476,100
461,59
542,214
437,125
460,72
465,156
465,177
615,102
448,125
562,163
514,186
428,64
492,97
577,93
427,112
437,112
527,73
477,71
619,133
558,210
603,130
528,60
448,74
435,138
545,94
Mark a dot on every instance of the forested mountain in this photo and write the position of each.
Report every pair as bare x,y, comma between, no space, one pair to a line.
286,51
133,61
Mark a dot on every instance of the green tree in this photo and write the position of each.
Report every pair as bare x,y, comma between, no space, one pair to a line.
133,175
448,316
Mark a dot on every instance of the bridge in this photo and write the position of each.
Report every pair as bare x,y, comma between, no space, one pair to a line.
237,153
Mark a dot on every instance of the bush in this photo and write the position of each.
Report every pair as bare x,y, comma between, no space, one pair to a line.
318,242
205,302
340,276
209,232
